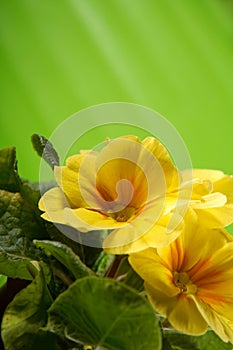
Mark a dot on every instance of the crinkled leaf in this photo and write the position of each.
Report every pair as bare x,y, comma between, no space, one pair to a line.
65,256
14,266
30,194
105,313
9,179
210,341
19,225
3,280
25,315
44,149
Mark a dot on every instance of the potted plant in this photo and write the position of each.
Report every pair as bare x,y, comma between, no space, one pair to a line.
155,290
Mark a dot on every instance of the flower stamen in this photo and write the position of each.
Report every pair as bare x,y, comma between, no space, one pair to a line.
123,215
182,281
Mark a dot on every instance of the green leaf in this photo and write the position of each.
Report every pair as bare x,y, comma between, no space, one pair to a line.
42,187
130,277
29,193
3,280
210,341
25,315
105,313
19,225
9,179
166,345
44,149
173,340
14,266
88,255
65,256
177,341
40,341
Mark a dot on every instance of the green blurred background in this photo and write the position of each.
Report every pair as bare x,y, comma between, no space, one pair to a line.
60,56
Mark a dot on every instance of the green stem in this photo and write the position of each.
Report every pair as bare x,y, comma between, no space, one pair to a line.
65,279
112,271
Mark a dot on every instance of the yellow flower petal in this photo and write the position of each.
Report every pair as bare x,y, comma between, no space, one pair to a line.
88,220
74,162
212,197
79,186
221,326
53,203
178,253
110,185
181,311
162,155
161,301
215,282
87,183
160,235
124,241
186,318
67,180
212,200
216,217
150,267
127,159
174,253
211,175
225,186
145,230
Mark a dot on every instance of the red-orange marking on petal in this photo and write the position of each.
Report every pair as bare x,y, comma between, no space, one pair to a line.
196,272
211,298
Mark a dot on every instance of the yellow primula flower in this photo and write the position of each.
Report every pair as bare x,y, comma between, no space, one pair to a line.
190,281
122,188
212,196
